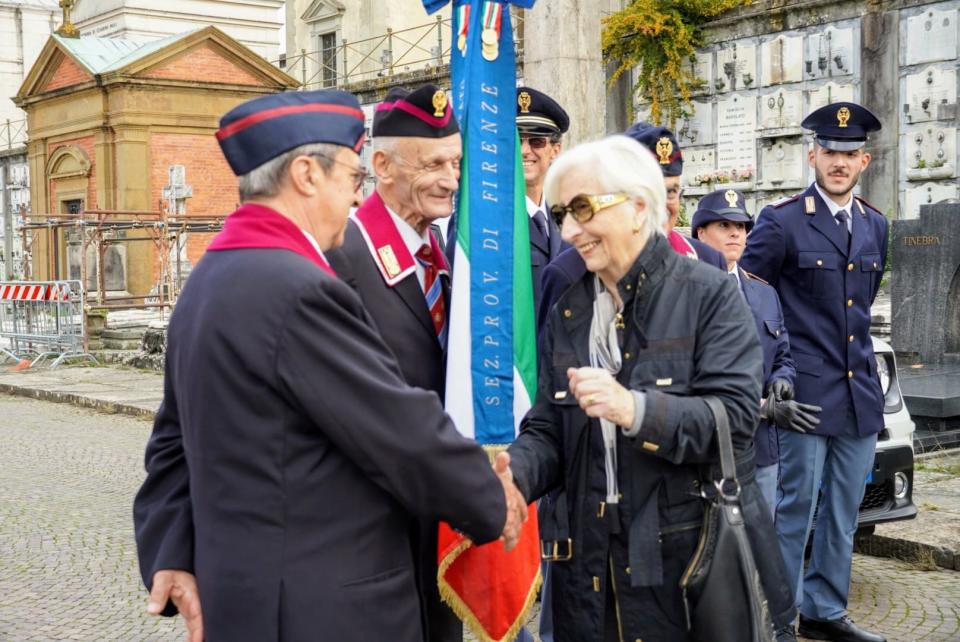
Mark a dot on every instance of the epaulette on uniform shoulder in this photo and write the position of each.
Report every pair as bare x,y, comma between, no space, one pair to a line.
784,201
865,202
754,277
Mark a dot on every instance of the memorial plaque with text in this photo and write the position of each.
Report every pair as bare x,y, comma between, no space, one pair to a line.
926,91
829,54
781,60
702,67
781,164
696,129
931,35
781,109
829,93
926,194
737,133
736,67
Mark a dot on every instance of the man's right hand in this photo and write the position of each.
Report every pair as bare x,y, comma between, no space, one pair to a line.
516,504
181,587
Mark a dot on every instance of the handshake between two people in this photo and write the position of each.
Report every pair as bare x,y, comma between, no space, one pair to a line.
516,504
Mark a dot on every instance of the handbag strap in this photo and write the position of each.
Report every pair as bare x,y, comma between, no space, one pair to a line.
728,465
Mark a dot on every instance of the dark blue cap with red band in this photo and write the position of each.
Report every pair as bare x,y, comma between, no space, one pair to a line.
662,143
424,112
261,129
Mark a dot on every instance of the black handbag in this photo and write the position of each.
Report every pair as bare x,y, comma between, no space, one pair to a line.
721,587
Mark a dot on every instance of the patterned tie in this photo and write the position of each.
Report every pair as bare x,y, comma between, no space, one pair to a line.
433,292
841,216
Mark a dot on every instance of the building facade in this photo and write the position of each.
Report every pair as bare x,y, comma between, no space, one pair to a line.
255,23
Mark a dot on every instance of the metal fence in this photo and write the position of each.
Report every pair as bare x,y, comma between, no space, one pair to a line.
336,65
42,321
13,133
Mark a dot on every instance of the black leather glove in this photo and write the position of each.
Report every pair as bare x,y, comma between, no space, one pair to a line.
781,389
790,414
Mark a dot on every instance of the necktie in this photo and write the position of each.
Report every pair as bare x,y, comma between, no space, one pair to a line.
433,292
841,216
541,222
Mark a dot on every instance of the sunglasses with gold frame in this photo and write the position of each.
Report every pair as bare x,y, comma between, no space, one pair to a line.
584,207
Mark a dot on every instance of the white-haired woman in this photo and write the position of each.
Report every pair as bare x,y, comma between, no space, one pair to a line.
619,425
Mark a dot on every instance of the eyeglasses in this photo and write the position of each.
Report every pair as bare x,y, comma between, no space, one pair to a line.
358,174
535,142
584,207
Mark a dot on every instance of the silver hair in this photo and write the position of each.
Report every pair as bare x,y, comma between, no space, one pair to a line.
265,180
620,164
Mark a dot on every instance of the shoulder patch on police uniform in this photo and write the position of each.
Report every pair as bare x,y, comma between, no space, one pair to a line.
810,205
754,277
784,201
861,202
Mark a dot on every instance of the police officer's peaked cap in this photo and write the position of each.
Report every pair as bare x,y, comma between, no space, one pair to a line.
424,112
261,129
842,127
538,113
721,205
662,142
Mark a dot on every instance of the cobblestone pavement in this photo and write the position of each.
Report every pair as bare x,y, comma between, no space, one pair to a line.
68,566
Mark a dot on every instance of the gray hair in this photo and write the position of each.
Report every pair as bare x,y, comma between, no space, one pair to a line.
265,180
620,164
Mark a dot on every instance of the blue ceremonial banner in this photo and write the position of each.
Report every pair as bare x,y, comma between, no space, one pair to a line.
491,349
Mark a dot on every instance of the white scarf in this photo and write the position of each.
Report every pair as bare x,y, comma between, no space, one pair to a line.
605,353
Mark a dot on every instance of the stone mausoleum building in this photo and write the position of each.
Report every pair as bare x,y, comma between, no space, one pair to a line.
108,118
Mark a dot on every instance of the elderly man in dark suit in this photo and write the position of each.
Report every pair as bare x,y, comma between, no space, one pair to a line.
290,462
394,262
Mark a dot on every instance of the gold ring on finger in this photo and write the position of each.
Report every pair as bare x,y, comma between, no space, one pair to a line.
590,400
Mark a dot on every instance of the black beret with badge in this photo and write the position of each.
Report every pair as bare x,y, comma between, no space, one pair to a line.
662,142
539,114
842,126
424,112
721,205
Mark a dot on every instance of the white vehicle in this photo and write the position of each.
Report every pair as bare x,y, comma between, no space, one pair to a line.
889,493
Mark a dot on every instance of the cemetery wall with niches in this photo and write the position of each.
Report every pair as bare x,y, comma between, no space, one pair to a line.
769,64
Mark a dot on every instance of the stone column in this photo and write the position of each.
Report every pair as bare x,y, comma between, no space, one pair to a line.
879,58
562,58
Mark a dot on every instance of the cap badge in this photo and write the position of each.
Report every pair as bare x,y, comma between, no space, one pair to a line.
389,260
439,103
731,197
664,149
843,115
524,100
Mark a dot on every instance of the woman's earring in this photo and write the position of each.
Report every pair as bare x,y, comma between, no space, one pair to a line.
637,227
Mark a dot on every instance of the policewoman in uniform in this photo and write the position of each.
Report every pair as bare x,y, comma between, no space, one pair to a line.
393,260
823,250
722,222
569,268
289,461
541,123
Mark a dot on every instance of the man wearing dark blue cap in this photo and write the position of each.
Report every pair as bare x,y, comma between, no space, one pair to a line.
824,250
394,261
722,222
289,460
541,123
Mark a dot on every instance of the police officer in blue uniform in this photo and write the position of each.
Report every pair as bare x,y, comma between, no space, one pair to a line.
823,250
541,123
722,222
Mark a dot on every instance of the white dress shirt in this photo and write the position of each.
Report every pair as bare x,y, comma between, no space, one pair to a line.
834,208
533,208
413,240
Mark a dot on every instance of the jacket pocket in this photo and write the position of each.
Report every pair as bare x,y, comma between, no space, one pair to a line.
809,367
773,326
816,269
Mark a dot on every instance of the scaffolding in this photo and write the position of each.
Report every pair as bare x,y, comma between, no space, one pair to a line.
99,229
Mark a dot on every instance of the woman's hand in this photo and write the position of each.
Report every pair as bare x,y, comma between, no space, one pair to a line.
601,396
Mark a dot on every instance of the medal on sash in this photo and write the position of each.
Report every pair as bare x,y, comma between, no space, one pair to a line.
490,36
463,24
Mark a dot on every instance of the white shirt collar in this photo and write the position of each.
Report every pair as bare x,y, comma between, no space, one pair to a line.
411,238
315,245
533,208
833,207
735,271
